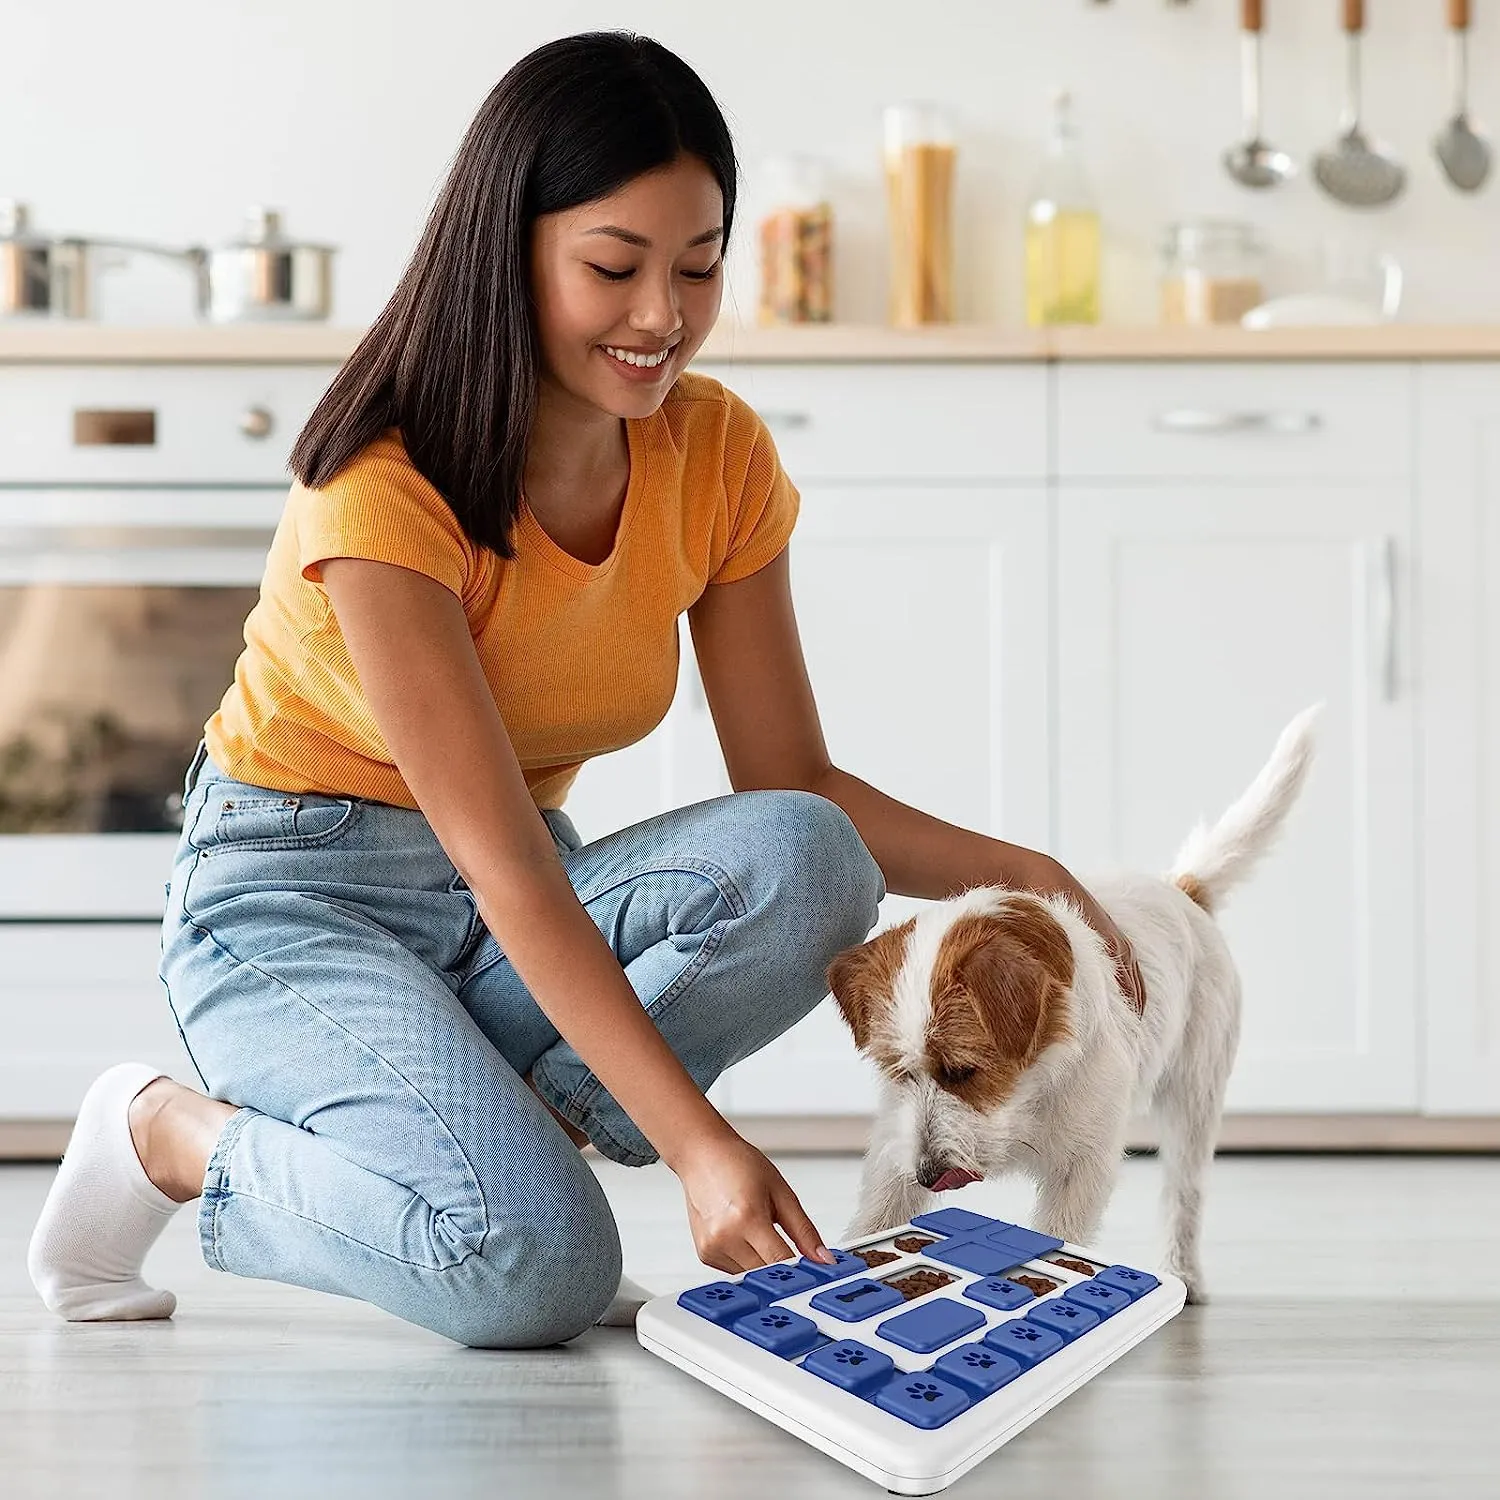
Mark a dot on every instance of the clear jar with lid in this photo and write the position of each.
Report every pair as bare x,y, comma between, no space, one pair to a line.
1211,271
796,243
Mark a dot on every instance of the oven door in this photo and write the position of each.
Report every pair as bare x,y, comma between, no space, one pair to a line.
121,618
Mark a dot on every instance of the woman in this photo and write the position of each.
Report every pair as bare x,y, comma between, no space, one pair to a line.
384,940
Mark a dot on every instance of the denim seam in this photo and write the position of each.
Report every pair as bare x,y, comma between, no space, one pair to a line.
215,1194
716,876
579,1101
590,1124
475,1184
412,1265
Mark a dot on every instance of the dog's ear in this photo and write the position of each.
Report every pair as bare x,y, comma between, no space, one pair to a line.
861,978
1016,965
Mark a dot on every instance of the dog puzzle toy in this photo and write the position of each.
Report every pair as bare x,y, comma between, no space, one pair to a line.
971,1329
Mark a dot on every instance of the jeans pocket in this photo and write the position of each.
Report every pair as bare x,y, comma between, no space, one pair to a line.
236,816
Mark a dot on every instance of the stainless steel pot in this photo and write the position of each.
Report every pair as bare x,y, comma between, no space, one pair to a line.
41,275
261,277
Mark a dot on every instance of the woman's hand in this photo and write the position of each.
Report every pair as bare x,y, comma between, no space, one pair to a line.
1053,879
735,1199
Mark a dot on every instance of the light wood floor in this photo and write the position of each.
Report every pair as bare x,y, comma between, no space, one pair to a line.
1352,1349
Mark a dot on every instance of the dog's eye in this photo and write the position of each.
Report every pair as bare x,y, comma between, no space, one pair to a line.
952,1078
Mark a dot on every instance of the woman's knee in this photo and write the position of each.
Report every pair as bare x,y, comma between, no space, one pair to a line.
820,862
539,1284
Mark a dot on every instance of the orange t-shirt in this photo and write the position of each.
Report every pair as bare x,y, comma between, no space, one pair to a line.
581,658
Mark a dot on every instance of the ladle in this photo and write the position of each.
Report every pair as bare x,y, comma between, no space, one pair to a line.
1464,153
1251,161
1352,170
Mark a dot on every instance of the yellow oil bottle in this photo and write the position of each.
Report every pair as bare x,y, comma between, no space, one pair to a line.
1062,232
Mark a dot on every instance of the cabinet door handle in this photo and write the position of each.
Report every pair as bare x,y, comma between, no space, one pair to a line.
786,421
1386,564
1193,419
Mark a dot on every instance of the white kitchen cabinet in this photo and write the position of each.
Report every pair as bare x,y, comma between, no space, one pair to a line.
1458,520
923,615
1193,622
78,1000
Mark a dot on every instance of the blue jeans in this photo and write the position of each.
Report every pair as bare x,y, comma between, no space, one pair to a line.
331,977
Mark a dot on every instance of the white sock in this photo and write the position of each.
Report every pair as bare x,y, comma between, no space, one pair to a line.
628,1301
103,1213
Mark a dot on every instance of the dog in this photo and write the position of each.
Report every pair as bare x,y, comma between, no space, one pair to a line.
1003,1040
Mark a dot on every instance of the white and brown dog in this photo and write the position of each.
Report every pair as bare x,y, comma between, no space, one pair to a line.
1004,1042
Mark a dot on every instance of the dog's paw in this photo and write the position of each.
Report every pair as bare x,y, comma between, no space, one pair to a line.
1192,1278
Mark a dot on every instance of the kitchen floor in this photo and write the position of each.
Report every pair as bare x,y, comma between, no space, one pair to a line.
1352,1349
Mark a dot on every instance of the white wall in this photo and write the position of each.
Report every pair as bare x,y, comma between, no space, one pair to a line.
163,119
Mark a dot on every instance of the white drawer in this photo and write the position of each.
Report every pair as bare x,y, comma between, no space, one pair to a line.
1234,421
77,1000
90,424
899,420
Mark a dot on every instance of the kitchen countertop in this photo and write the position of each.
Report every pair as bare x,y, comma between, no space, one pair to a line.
293,343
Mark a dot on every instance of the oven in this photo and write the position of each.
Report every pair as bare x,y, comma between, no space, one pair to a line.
137,504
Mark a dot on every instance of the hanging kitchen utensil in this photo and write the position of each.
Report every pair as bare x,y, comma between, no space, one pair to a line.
1251,162
1353,170
1464,154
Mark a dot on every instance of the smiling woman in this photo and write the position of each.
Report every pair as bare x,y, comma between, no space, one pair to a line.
409,1020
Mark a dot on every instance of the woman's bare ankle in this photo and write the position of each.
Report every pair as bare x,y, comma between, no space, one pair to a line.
174,1130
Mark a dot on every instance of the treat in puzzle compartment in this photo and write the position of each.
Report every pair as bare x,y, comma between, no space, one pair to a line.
917,1283
1038,1285
1072,1263
912,1242
914,1379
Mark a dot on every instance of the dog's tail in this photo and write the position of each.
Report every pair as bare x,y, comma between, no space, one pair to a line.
1214,859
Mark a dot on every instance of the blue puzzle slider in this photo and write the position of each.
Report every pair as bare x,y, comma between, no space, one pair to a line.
720,1301
933,1325
779,1331
855,1300
848,1264
1026,1342
923,1399
1066,1318
977,1369
1128,1279
781,1280
1100,1299
957,1221
851,1366
997,1292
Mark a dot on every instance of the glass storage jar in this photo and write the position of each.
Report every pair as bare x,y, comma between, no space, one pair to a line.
920,158
796,244
1211,271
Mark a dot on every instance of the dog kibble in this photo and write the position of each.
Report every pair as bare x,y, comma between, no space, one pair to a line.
1083,1267
918,1283
911,1242
1037,1284
874,1258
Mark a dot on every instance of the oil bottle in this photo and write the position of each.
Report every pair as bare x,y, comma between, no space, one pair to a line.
1062,231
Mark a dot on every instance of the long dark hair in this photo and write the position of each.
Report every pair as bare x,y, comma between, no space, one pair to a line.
453,360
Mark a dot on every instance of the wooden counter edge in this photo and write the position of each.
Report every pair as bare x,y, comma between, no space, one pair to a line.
29,343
